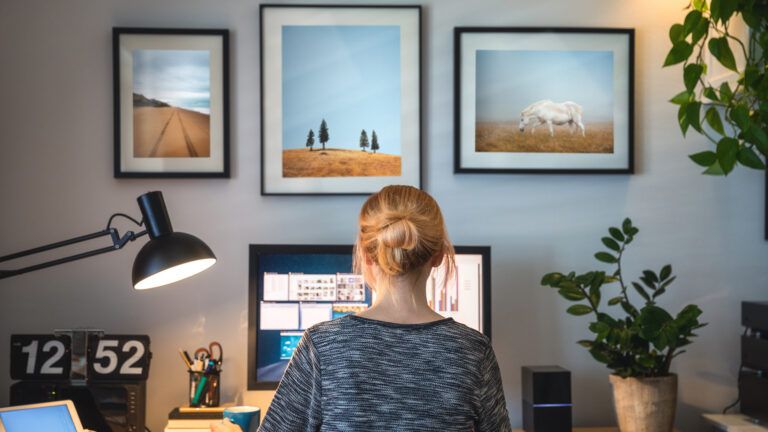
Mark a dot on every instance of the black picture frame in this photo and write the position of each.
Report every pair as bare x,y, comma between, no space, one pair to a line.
255,250
460,166
264,189
222,165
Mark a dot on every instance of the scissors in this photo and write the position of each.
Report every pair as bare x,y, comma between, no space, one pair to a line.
208,353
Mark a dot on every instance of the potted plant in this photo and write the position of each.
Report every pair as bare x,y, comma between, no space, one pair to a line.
639,343
733,116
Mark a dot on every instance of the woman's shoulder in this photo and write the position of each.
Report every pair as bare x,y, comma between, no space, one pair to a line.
447,331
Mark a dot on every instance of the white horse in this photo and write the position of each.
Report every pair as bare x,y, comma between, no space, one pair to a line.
552,113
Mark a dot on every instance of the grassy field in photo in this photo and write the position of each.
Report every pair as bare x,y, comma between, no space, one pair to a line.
333,162
506,137
170,132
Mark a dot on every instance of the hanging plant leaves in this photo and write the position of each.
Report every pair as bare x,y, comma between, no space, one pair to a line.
680,51
705,158
691,75
713,120
722,51
727,151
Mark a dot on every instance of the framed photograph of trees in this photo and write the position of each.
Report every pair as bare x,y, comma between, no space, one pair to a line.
340,98
171,92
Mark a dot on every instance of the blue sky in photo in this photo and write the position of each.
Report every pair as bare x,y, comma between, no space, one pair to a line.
347,75
509,81
181,78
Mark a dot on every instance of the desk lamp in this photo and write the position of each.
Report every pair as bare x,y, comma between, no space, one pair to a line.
167,257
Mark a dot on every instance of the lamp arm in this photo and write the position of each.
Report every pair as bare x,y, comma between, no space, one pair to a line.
117,243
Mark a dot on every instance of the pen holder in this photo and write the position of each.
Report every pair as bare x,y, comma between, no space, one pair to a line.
204,389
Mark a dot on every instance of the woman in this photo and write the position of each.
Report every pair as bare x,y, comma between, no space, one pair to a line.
399,366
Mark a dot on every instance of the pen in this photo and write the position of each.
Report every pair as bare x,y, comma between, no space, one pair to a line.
184,359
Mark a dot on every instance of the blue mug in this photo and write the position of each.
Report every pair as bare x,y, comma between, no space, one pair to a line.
247,417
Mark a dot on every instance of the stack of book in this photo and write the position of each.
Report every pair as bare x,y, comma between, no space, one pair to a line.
188,419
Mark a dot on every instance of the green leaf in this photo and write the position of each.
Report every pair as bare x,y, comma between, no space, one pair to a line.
711,94
727,152
693,115
691,75
722,51
606,257
676,33
611,244
714,170
700,31
579,310
626,226
629,309
713,120
616,233
681,98
680,52
740,114
585,343
714,8
726,94
758,137
551,279
571,294
682,118
640,290
691,21
651,276
665,272
705,158
749,158
614,301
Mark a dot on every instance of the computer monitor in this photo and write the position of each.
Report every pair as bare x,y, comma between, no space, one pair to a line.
293,287
57,416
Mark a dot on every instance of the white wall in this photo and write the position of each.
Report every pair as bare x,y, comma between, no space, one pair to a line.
56,182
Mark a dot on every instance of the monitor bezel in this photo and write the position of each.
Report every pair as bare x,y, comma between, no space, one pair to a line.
256,250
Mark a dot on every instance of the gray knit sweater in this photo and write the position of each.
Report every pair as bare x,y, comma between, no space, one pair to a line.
358,374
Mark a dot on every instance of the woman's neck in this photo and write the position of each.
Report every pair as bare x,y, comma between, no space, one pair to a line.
404,301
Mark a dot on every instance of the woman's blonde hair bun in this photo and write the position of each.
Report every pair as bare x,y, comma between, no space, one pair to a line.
401,230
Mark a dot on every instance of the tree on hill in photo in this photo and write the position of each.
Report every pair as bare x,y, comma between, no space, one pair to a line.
374,141
363,140
323,133
311,139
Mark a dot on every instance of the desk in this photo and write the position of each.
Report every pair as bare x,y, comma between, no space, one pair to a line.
733,423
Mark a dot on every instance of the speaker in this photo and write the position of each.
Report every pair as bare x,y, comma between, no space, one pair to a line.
754,315
547,402
753,388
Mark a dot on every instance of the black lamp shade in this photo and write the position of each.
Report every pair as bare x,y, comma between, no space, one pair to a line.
169,258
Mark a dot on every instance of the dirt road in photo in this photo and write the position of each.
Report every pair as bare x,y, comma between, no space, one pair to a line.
170,132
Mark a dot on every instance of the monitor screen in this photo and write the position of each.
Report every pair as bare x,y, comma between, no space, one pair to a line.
294,287
54,418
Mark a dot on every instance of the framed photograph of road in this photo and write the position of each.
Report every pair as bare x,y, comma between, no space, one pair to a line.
340,98
543,100
171,90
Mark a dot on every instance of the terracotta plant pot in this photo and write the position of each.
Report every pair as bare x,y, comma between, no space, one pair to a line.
645,404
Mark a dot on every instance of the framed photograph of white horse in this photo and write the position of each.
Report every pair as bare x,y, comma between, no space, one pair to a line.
544,100
171,91
340,98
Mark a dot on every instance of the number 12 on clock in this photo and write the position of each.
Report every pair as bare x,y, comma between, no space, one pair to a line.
40,357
